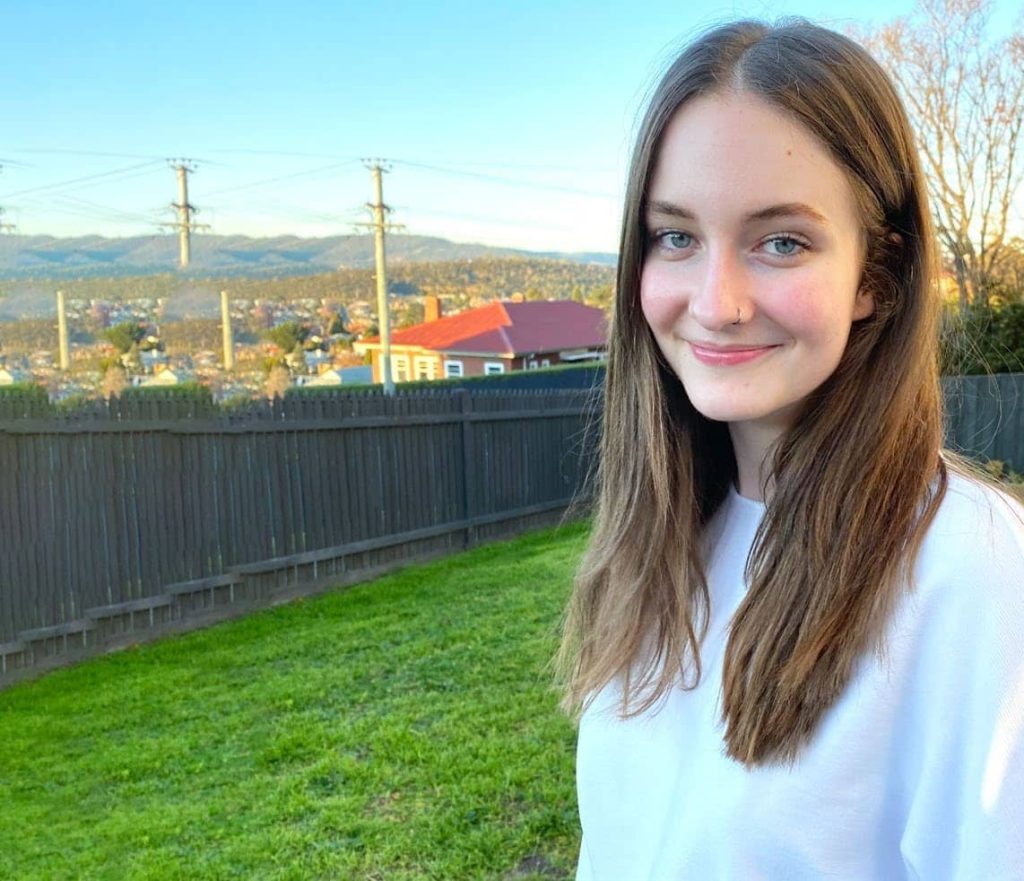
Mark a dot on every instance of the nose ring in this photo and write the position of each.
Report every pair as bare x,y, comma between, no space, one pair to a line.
739,316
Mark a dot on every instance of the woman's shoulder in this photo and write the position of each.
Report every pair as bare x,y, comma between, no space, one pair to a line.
976,517
971,560
958,641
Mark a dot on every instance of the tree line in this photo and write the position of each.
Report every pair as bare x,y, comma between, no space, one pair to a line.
458,280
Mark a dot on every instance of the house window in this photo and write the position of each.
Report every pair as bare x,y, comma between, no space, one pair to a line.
426,367
400,368
492,367
452,368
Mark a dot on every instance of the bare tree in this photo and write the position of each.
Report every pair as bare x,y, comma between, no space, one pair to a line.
1011,272
115,380
965,96
279,380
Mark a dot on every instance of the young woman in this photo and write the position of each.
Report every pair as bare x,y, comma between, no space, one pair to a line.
795,637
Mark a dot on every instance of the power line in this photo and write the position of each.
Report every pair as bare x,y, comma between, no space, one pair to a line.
253,152
274,180
517,166
73,212
9,227
91,213
507,181
64,203
57,196
64,152
79,180
110,211
495,221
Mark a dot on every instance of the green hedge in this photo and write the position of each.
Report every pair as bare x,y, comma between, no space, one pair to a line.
984,339
495,379
23,399
184,391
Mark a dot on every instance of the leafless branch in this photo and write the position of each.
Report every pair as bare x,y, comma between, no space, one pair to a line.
964,93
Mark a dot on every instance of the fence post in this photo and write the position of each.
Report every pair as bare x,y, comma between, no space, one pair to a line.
468,471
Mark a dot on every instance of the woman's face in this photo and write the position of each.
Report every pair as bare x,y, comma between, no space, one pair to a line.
749,218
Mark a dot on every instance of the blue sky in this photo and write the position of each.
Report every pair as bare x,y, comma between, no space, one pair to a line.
506,123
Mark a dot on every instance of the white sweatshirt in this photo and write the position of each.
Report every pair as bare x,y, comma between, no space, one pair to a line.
917,772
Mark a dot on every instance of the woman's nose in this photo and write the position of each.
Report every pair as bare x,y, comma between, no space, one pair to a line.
721,295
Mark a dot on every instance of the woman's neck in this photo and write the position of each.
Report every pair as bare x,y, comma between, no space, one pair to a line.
753,444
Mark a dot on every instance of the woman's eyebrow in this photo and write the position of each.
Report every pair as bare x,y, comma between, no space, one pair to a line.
772,212
656,206
787,209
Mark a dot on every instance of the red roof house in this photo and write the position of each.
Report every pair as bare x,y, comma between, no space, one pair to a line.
497,338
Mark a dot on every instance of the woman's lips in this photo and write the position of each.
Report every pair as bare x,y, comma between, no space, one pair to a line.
727,356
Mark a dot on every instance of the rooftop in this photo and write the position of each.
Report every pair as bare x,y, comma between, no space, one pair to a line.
510,328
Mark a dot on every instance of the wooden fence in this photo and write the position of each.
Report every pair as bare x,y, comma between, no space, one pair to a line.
985,416
142,513
156,513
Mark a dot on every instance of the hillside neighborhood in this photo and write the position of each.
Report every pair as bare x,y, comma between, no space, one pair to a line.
282,343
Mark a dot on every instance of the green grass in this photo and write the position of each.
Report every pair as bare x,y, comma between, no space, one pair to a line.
402,729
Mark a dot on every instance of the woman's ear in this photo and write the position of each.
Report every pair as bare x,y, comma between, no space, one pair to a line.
864,305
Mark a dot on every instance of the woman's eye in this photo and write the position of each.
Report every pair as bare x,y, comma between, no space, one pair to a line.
675,241
785,246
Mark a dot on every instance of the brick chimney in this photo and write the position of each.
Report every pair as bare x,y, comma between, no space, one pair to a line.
431,308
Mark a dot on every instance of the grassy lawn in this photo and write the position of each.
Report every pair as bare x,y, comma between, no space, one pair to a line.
403,729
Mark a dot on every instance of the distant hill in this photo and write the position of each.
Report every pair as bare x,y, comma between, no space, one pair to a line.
25,257
461,283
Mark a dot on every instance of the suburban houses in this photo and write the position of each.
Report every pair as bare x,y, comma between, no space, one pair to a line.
500,337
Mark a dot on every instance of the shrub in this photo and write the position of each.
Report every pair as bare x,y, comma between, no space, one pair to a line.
193,391
984,339
24,399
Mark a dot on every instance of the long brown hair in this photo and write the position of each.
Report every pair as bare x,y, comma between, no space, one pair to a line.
855,482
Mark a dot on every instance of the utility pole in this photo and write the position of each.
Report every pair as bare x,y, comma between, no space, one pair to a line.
185,225
62,332
377,168
225,324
